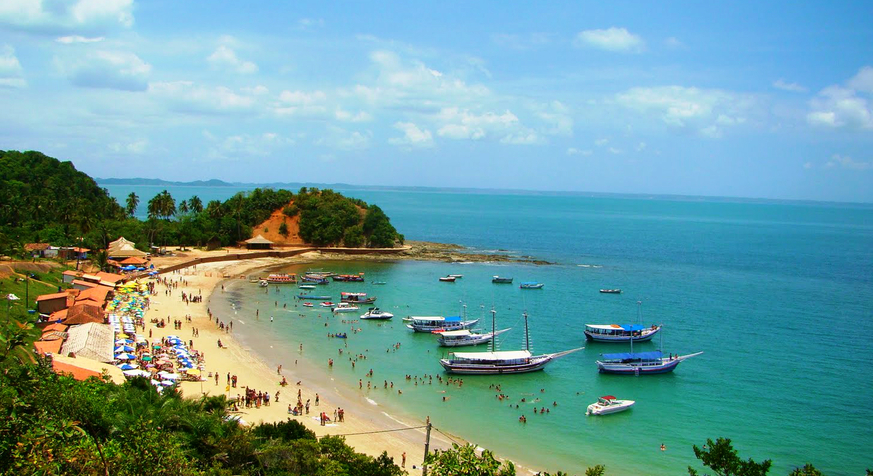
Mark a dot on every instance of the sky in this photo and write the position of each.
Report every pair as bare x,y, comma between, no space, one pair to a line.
741,99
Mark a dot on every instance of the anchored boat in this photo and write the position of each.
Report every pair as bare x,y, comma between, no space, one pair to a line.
531,285
466,337
609,404
376,314
438,323
357,298
501,280
622,332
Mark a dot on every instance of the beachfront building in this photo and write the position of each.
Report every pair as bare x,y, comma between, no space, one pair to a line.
259,243
121,249
37,250
49,303
91,341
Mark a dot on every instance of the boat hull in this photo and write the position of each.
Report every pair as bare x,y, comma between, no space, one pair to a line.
491,369
630,369
595,337
452,326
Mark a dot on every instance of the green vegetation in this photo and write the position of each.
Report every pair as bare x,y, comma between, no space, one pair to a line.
54,425
45,200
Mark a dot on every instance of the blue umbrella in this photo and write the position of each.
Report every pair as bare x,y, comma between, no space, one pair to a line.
123,348
126,367
125,357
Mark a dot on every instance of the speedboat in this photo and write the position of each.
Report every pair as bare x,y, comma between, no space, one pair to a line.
326,304
610,291
307,304
456,276
306,286
345,307
608,404
263,283
376,313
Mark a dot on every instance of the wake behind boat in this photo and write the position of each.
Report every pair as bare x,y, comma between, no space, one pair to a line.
500,362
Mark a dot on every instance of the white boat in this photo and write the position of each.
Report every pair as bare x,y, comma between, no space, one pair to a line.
622,332
345,307
531,285
466,337
438,323
500,362
306,286
263,283
448,279
376,314
608,404
456,276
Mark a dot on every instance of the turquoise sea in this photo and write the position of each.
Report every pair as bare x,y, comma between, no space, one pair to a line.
778,296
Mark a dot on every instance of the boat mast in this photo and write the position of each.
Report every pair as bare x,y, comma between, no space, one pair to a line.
526,334
493,320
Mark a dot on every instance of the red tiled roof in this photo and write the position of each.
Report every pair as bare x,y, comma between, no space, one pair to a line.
77,373
70,272
59,316
48,297
110,277
97,294
84,283
48,346
134,260
84,313
56,326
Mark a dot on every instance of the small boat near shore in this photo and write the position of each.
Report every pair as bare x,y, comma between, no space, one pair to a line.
374,313
438,323
357,298
620,332
349,278
327,304
312,279
531,285
306,286
456,276
448,279
608,404
466,337
344,307
281,279
501,280
263,283
308,304
314,297
610,291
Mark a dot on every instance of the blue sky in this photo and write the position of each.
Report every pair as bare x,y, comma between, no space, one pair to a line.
750,99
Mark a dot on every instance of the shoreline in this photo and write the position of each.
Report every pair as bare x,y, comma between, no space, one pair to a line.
256,371
371,432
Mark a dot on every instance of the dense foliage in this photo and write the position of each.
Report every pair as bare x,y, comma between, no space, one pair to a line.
45,200
52,424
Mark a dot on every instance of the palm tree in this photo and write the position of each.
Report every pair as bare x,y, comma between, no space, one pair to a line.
132,203
183,207
195,204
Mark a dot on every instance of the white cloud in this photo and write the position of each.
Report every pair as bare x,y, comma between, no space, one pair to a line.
611,39
521,138
574,151
308,23
708,111
137,147
185,96
786,86
808,165
614,151
244,146
302,98
225,58
845,106
66,16
845,162
673,42
106,69
463,124
302,103
601,142
11,72
413,136
67,40
258,90
558,118
346,116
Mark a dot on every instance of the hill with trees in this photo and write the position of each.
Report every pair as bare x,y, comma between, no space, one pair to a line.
45,200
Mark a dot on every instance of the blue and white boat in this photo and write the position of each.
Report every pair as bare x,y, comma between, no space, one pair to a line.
640,363
622,332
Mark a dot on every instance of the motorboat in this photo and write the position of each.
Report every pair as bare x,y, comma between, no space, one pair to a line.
306,286
345,307
465,337
502,361
376,314
327,304
448,279
501,280
610,291
608,404
531,285
313,297
307,304
456,276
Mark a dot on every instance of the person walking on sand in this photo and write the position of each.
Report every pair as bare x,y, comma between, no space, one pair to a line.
403,460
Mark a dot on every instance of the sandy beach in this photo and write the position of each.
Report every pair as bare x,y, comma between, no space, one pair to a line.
366,426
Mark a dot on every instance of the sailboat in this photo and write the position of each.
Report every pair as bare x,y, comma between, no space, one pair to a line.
500,362
641,363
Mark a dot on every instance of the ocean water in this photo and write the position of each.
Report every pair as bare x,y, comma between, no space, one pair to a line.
778,296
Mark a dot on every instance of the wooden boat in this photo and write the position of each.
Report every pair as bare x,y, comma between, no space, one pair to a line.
531,285
349,278
357,298
500,362
622,332
313,279
608,404
281,279
375,313
466,337
640,363
501,280
344,307
610,291
438,323
448,279
313,297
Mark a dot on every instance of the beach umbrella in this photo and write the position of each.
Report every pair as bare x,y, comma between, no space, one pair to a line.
146,358
123,348
123,341
136,373
125,356
128,366
156,383
193,372
150,366
167,383
168,375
